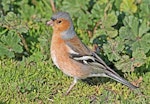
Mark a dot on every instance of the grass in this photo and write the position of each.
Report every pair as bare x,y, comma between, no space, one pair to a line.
42,83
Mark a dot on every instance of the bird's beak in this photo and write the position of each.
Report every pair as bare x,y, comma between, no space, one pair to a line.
50,23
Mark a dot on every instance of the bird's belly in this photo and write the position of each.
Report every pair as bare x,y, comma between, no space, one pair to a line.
70,67
54,58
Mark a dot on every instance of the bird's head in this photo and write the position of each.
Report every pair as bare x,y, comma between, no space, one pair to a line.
61,22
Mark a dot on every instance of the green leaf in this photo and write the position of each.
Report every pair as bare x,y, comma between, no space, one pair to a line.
98,10
128,6
126,35
12,22
124,64
113,48
139,57
132,23
127,64
5,51
117,3
135,34
75,7
110,20
83,22
10,16
145,10
143,28
10,45
142,43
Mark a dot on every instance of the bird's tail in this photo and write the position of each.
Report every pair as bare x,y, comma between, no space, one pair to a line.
116,77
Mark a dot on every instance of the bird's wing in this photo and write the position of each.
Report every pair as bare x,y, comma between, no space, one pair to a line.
79,52
82,54
77,46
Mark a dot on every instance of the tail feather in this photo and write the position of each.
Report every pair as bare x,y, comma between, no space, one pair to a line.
121,80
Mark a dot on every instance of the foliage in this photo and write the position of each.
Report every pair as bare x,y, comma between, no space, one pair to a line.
124,24
24,20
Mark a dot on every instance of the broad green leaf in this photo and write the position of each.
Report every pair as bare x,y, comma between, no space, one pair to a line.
143,28
127,64
126,35
139,57
113,48
117,4
110,20
75,7
83,22
6,51
10,44
128,6
10,16
120,44
132,23
145,9
12,22
112,33
98,11
142,43
27,12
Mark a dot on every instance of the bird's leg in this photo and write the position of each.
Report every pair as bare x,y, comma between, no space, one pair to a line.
72,85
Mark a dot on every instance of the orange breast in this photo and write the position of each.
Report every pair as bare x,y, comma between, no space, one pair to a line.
60,57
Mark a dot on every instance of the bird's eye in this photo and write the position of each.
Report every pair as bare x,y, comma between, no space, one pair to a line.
59,21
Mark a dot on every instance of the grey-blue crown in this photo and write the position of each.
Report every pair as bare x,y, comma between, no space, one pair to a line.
64,15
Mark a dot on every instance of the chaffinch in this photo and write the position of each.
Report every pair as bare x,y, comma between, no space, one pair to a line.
74,58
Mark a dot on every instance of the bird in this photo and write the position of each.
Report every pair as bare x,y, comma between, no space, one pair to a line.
73,57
